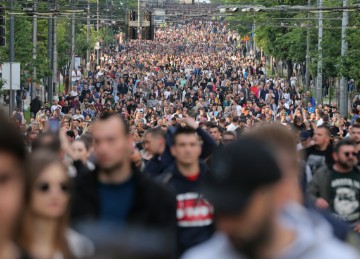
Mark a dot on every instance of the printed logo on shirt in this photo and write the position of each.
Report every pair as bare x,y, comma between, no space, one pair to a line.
193,210
346,193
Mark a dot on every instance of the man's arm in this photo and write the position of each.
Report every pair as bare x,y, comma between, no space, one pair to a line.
313,190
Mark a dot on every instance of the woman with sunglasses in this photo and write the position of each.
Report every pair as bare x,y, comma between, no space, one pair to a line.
43,229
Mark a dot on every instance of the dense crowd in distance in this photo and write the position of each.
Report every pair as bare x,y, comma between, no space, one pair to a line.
181,147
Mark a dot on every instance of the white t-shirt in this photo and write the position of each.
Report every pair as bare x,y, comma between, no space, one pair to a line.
319,122
167,93
231,127
78,75
73,75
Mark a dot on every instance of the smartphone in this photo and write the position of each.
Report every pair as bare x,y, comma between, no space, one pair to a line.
54,125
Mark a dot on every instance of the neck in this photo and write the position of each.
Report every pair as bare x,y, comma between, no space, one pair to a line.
322,147
118,175
43,231
338,168
188,169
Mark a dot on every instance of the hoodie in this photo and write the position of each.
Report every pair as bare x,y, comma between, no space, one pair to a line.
194,212
313,240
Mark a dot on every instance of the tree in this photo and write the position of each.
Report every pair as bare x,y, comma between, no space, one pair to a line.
350,67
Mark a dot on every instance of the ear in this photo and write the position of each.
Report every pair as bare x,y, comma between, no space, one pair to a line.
130,140
335,156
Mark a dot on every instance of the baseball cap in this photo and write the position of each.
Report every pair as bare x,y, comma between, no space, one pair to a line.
237,172
304,135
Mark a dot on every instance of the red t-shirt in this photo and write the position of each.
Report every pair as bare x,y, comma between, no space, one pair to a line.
193,177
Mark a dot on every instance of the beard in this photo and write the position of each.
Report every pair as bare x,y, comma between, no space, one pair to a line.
251,247
346,165
112,168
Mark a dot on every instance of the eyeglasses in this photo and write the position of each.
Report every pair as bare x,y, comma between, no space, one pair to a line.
46,187
354,154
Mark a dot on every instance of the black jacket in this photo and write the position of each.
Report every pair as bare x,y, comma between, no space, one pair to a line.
35,105
153,206
193,228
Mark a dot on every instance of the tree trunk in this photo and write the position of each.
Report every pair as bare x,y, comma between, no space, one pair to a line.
289,65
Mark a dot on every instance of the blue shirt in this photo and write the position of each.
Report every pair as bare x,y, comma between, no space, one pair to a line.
311,109
116,201
354,118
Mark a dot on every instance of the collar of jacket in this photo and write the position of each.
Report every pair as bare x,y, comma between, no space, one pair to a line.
90,187
174,171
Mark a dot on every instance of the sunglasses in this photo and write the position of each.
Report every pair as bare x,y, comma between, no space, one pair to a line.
46,187
354,154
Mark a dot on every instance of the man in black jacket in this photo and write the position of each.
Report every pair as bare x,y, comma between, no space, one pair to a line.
116,193
194,213
35,105
320,153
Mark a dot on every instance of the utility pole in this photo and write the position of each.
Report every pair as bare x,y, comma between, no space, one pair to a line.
54,54
307,69
253,37
139,21
50,57
88,33
72,61
97,15
344,47
34,39
106,23
319,65
12,53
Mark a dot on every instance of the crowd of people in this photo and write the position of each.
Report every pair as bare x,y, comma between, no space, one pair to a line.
181,147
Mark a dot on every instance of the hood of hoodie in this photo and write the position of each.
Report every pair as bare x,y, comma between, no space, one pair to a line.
314,236
314,240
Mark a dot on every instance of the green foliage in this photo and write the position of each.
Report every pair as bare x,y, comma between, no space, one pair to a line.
351,63
23,34
282,34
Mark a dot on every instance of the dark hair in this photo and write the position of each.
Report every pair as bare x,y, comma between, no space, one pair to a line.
356,126
183,131
70,133
11,141
344,142
47,141
155,132
230,133
357,121
213,126
354,110
327,129
108,115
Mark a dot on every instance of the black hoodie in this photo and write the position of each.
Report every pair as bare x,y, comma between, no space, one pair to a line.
194,213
